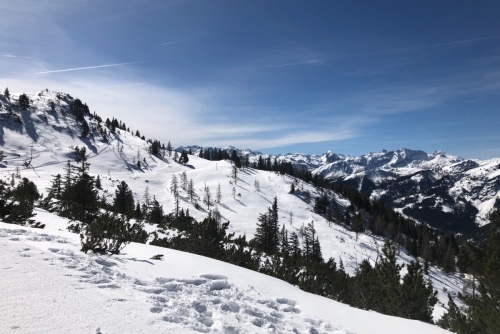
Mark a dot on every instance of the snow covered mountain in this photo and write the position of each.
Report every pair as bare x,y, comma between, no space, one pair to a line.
38,142
444,191
439,189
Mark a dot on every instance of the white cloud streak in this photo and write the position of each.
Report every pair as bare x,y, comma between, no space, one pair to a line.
173,42
91,67
305,62
467,41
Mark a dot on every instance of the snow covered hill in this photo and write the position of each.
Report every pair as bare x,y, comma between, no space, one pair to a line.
38,142
49,286
438,189
441,190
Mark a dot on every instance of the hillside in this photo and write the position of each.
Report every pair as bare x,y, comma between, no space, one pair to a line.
49,286
38,142
442,190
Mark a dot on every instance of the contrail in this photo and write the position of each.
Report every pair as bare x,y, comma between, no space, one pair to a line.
173,42
467,41
13,56
312,61
91,67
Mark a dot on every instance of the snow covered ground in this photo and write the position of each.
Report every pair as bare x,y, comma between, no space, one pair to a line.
47,140
49,286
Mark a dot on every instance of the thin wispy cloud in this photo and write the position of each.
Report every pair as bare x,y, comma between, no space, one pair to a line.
305,62
172,42
91,67
412,48
467,41
14,56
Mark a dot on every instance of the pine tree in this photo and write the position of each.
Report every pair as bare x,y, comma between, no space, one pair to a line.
486,313
184,182
6,93
79,199
207,198
294,245
174,188
23,200
24,102
388,280
184,159
191,190
418,296
169,149
124,200
218,196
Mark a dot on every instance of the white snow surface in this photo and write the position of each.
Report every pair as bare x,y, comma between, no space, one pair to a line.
46,140
49,286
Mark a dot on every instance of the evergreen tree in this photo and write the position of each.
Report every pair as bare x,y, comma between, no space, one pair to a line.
184,159
55,189
388,280
23,201
218,196
174,188
207,198
191,190
6,93
85,129
79,199
24,102
109,233
184,182
169,149
124,200
236,159
485,311
267,231
418,296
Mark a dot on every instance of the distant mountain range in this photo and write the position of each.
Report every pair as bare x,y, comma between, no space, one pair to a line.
442,190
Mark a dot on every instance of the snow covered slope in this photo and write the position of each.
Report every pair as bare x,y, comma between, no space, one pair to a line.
442,190
39,142
49,286
439,189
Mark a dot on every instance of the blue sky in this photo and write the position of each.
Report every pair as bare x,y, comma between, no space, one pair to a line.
276,76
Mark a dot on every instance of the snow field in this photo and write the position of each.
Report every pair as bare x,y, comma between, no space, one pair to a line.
49,286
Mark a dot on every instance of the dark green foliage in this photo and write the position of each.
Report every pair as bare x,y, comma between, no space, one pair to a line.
154,214
80,154
6,93
266,234
79,198
124,200
109,233
155,148
236,159
482,308
79,110
418,296
184,159
454,320
24,102
312,248
16,206
365,292
85,129
321,204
